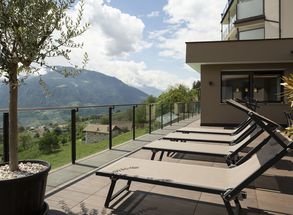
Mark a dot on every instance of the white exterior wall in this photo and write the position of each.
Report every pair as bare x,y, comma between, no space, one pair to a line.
272,10
272,16
271,30
287,18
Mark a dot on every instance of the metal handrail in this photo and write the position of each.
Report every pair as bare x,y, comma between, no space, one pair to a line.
71,107
74,110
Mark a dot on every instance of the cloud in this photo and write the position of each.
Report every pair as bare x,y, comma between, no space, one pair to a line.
121,32
188,20
115,36
153,14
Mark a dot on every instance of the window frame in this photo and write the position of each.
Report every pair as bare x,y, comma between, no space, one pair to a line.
253,29
251,74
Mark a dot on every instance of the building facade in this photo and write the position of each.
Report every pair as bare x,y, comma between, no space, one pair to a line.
256,51
95,133
257,19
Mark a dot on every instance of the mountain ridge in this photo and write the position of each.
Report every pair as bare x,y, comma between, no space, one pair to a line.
87,88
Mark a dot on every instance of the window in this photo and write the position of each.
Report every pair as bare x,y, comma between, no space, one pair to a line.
267,87
235,86
255,34
262,86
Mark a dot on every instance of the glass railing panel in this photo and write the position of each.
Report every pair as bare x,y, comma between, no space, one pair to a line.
141,120
44,135
249,8
122,124
1,137
92,131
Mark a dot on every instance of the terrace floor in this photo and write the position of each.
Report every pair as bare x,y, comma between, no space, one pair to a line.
272,193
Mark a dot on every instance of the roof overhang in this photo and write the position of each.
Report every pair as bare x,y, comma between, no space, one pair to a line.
239,52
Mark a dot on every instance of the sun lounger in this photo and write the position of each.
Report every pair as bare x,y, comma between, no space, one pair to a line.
212,149
244,125
218,138
228,183
259,119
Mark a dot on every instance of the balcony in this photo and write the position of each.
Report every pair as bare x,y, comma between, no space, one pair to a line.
228,28
247,9
82,131
236,13
269,194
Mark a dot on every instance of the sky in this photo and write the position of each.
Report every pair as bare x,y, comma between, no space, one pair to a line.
142,42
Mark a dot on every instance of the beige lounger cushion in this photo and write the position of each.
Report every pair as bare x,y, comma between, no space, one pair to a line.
206,130
199,147
201,137
193,175
207,177
220,130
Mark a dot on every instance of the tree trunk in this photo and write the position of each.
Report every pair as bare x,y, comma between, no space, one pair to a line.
13,127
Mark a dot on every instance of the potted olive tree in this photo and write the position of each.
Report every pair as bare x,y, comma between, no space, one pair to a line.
30,32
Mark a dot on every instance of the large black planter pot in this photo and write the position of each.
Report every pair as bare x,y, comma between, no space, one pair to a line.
25,196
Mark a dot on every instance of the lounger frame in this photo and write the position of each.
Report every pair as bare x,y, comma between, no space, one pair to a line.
238,130
232,158
240,138
234,194
227,196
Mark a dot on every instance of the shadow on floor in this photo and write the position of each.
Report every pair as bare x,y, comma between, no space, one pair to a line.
86,165
284,165
281,184
83,210
144,203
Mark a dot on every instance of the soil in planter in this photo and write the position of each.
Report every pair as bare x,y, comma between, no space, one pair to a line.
25,169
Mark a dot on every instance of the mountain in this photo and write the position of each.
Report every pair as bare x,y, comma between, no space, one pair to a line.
150,90
87,88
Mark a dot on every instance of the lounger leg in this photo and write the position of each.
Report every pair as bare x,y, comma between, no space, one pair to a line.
161,156
228,207
110,192
154,154
112,196
238,206
128,185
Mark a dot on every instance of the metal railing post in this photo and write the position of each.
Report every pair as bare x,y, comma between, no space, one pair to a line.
73,135
179,109
133,122
110,126
6,137
170,114
184,106
198,108
162,125
192,109
150,118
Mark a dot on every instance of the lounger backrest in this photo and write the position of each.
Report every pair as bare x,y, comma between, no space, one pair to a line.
245,132
243,125
252,135
241,176
251,113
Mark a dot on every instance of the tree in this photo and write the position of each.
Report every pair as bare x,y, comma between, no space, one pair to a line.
49,142
30,32
178,93
25,140
196,89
